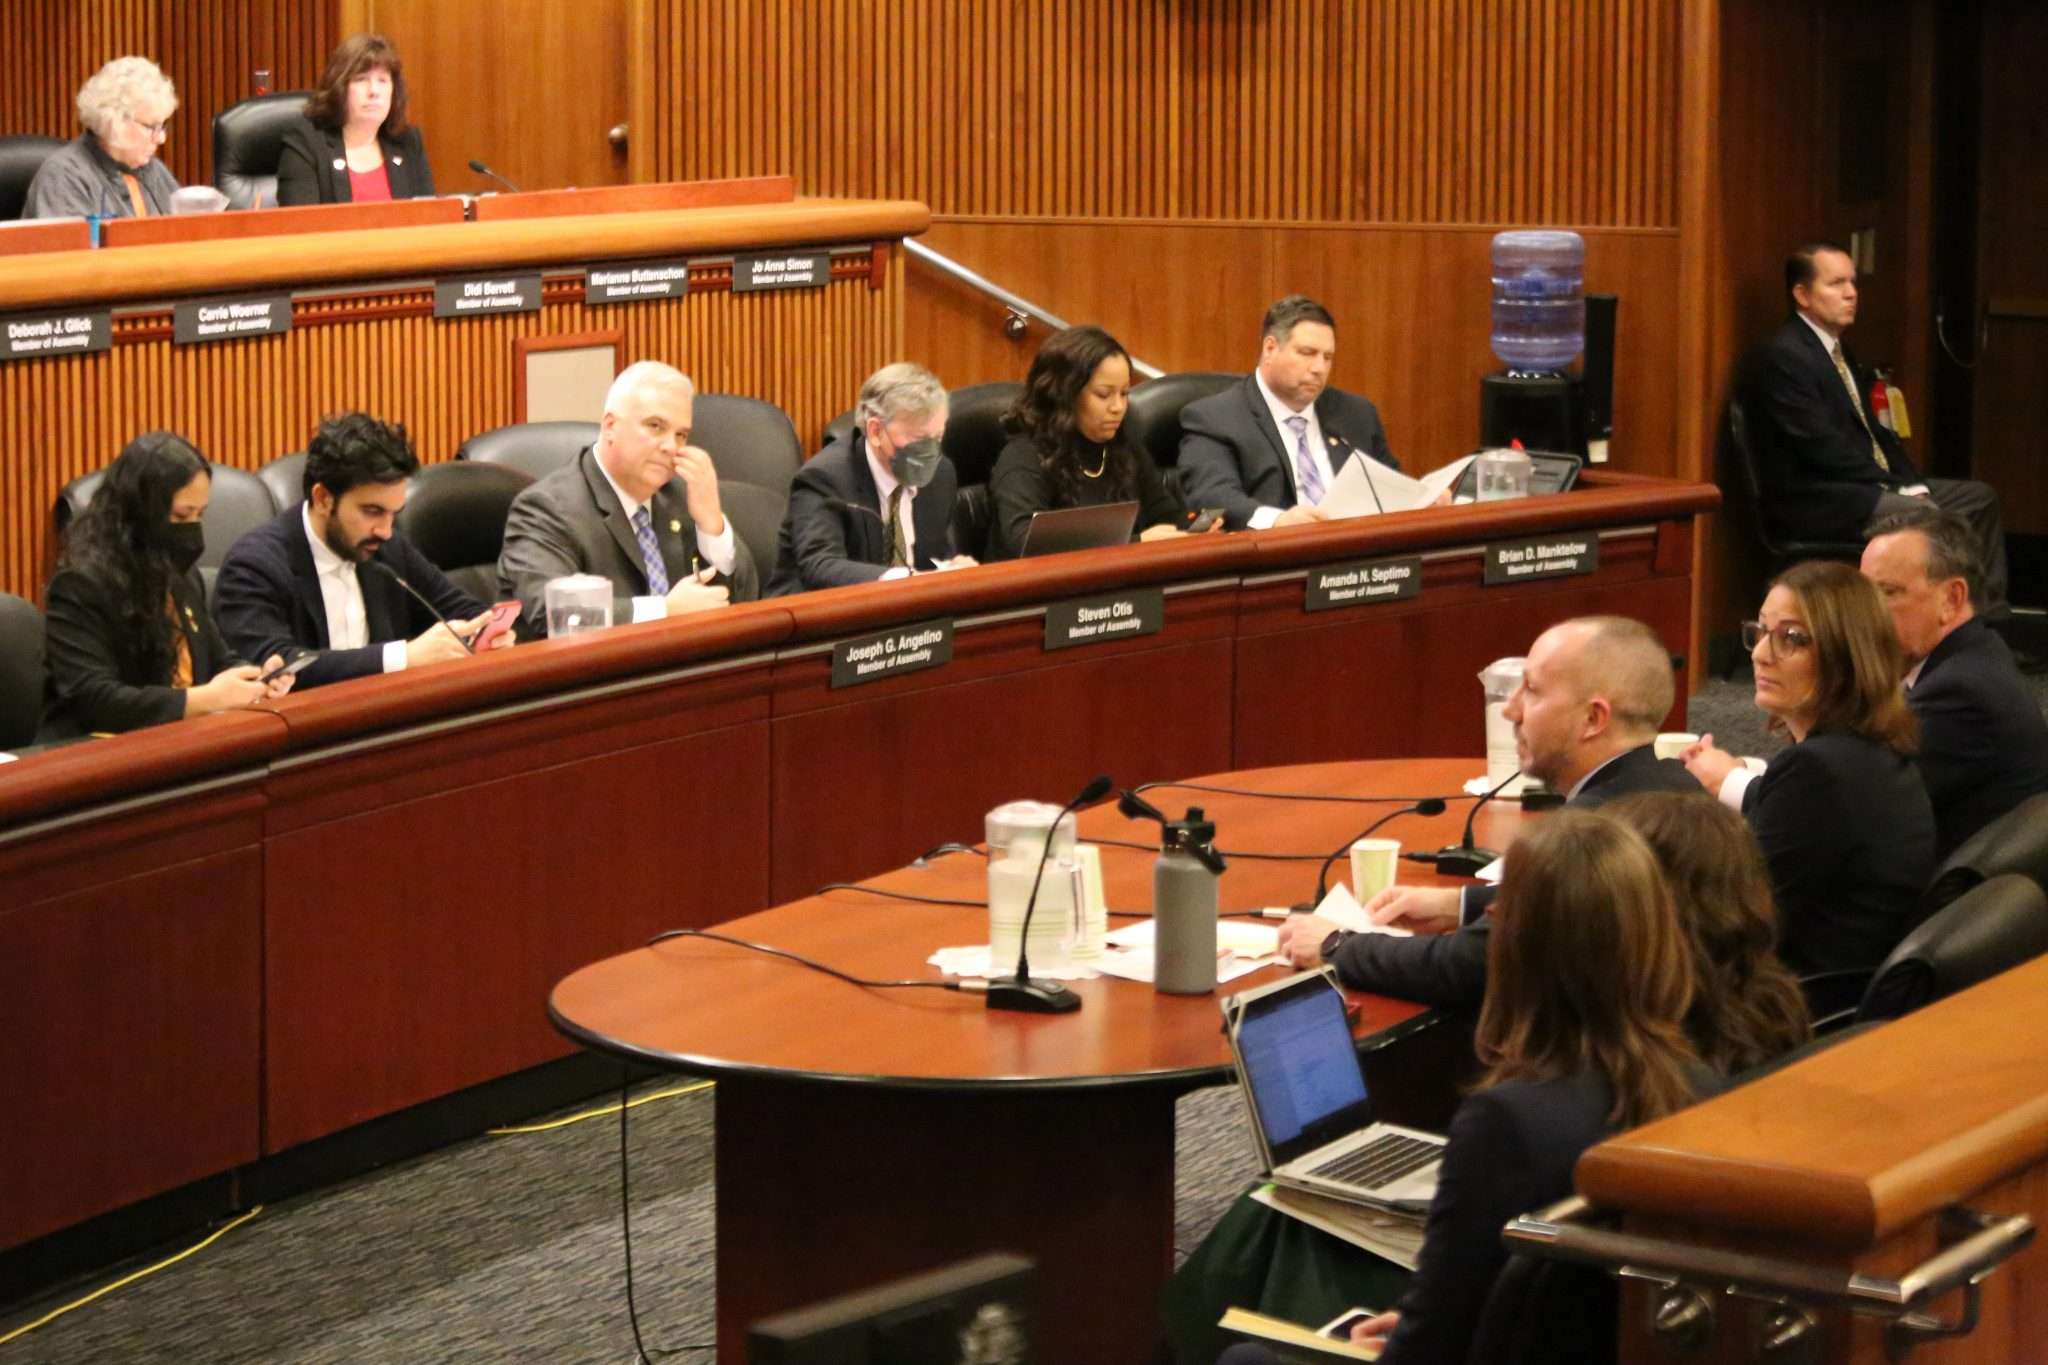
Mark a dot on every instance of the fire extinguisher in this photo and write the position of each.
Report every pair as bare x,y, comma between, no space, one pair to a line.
1880,402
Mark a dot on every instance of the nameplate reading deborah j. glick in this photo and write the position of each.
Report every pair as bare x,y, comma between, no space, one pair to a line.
30,336
1544,557
482,295
1363,583
905,649
1098,620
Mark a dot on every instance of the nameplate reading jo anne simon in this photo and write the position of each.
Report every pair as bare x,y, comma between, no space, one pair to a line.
635,282
1112,616
905,649
256,315
1558,556
479,295
28,336
781,270
1366,581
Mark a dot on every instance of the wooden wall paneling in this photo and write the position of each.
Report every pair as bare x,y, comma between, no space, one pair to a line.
55,44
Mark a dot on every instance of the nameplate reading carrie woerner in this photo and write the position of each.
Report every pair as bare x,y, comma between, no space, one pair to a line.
906,649
781,270
481,295
257,315
1112,616
1363,582
80,331
1557,556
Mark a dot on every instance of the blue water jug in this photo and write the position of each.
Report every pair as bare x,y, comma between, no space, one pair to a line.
1539,300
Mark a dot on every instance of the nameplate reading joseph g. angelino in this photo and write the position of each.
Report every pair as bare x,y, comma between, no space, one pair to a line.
635,281
76,331
1363,582
254,315
1112,616
479,295
781,270
1557,556
905,649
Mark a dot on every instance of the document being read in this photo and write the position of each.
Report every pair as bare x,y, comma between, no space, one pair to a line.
1352,491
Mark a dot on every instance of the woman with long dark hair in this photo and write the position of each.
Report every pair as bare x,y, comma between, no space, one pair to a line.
131,642
1070,448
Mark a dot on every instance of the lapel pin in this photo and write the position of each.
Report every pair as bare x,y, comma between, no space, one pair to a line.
340,165
675,528
398,161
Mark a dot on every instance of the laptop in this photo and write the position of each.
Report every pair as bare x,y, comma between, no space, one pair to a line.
1079,528
1305,1090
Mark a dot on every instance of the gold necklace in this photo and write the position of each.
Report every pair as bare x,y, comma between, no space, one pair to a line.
1100,465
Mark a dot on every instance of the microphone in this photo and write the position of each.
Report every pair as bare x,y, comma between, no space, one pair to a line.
1020,992
1464,858
376,561
1428,805
482,169
1371,487
855,507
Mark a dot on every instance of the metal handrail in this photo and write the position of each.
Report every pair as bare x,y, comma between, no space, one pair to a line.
1016,303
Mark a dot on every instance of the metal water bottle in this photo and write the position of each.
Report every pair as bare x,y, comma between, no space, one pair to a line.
1184,907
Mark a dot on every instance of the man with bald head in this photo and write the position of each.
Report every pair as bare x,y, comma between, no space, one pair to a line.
1594,690
640,507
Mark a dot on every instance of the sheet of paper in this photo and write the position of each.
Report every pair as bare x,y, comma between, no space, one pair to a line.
1240,936
1398,1237
1138,964
1342,909
1364,487
973,962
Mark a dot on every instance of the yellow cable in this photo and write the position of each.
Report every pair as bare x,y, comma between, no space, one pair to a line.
599,1113
56,1313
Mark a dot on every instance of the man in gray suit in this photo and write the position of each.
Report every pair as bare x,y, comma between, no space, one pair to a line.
640,507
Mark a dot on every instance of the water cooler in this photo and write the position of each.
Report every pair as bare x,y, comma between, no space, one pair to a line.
1542,319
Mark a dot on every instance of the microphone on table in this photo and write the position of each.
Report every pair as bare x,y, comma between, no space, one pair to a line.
1020,992
376,561
1464,858
482,169
1371,487
1428,805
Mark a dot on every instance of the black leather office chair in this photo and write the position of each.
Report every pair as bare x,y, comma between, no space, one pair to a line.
285,477
21,156
21,671
1153,421
974,428
1544,1312
1741,483
536,449
840,428
455,516
2016,841
1993,927
247,140
756,514
239,502
750,441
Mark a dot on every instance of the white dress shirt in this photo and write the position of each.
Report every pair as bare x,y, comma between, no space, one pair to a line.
717,551
1317,450
885,484
341,593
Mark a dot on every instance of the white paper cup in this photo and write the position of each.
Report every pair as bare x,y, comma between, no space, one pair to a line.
1673,744
1372,866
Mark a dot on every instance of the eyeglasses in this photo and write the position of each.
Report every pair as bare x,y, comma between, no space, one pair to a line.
153,129
1785,637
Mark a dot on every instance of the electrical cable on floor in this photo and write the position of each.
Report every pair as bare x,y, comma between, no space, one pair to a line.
647,1354
55,1313
605,1112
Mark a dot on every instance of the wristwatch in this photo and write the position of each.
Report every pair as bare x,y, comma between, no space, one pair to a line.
1335,937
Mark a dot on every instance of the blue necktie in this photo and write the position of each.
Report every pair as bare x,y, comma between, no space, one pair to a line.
1307,479
650,554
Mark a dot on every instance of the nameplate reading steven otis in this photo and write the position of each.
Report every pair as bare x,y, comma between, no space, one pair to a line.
1544,557
257,315
636,282
1112,616
906,649
781,270
479,295
1363,582
30,336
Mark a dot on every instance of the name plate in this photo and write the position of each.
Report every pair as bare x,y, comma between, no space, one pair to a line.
632,283
906,649
781,270
26,336
1112,616
1366,581
1517,561
481,294
257,315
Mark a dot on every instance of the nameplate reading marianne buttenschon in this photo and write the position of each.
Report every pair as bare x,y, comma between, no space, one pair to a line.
906,649
479,295
1363,582
28,336
1517,561
256,315
1112,616
781,270
636,282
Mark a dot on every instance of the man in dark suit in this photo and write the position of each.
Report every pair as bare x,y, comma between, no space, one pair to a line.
1594,690
297,582
640,507
1983,742
1825,466
1268,449
879,504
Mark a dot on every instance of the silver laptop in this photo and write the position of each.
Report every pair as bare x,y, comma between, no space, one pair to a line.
1305,1090
1079,528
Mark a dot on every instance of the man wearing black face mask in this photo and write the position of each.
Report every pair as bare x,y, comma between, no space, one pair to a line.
880,504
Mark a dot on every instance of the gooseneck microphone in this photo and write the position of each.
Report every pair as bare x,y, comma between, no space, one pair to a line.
1020,992
1428,805
482,169
1464,859
376,561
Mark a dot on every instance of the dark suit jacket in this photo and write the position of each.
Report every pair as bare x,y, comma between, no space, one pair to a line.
1814,470
1983,743
306,171
268,600
97,682
1848,835
1232,455
1448,971
826,545
1018,489
571,522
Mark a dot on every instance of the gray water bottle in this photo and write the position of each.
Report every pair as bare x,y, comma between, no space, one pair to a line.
1184,907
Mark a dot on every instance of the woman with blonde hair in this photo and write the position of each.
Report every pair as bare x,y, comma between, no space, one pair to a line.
111,170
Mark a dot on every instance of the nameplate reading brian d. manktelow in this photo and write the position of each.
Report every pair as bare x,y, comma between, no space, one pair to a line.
781,270
258,315
1363,583
1544,557
1112,616
636,281
906,649
481,295
29,336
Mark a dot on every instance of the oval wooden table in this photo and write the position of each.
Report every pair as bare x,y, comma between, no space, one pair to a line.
866,1134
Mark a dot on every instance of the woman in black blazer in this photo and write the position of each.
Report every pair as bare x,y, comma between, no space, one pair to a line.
353,144
129,635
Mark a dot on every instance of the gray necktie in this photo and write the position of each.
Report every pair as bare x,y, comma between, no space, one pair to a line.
650,554
1307,479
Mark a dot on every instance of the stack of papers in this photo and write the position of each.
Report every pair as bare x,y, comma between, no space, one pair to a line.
1342,909
1364,487
1396,1236
1241,948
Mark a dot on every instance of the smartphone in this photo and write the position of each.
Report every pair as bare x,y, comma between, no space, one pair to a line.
497,623
293,666
1341,1325
1206,518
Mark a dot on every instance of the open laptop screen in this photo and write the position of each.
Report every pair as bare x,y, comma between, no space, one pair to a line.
1306,1084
